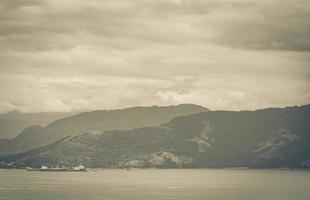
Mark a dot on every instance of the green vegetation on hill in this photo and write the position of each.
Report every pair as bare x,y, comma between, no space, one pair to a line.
13,123
95,122
262,138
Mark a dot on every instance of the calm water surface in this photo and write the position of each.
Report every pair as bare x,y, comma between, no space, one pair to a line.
156,184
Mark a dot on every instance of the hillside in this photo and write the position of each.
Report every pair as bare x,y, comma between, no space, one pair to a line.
13,123
95,122
259,139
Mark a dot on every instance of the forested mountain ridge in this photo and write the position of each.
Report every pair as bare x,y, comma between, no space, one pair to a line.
14,122
95,122
265,138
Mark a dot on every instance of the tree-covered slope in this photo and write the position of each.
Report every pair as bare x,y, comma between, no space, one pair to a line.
263,138
96,122
13,123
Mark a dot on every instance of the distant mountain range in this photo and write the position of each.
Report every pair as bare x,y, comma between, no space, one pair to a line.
12,123
94,122
267,138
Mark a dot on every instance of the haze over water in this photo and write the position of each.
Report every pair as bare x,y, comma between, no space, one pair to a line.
154,184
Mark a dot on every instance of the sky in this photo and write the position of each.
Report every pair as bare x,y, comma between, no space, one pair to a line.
77,55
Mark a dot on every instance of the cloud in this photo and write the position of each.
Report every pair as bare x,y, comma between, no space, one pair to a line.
84,55
277,24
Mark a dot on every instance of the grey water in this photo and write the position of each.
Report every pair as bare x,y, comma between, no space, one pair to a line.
155,184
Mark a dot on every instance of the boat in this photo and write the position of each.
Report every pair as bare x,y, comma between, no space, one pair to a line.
31,169
79,168
53,169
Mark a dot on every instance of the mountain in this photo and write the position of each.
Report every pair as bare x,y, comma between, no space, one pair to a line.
12,123
4,141
267,138
95,122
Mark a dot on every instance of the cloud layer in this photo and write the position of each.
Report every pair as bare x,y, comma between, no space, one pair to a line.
69,55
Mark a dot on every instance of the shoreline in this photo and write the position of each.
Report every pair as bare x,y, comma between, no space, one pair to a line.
158,169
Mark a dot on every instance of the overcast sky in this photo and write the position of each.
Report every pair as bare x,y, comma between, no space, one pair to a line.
71,55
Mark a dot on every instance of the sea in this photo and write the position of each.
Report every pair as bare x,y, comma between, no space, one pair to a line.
156,184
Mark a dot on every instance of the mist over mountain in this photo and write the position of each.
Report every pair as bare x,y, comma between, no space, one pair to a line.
95,122
275,137
12,123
